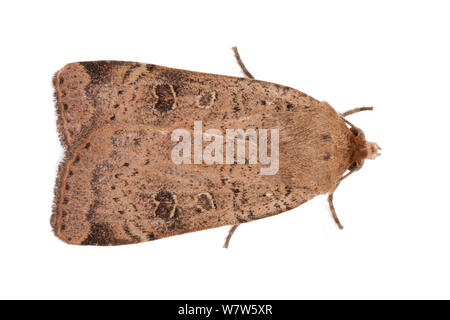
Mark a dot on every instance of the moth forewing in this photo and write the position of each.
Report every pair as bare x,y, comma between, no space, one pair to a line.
153,152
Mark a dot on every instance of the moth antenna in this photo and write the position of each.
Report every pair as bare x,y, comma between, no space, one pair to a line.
355,110
330,200
241,64
230,234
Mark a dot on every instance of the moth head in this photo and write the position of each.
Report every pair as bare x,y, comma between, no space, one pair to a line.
363,149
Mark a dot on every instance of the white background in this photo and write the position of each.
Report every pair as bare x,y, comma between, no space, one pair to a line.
393,55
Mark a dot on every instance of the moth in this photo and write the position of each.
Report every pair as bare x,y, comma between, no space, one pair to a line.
119,184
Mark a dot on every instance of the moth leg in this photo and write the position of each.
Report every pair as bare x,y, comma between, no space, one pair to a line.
230,234
241,64
333,211
330,200
355,110
249,75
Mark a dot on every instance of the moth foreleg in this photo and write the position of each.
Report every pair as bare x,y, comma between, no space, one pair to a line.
230,234
249,75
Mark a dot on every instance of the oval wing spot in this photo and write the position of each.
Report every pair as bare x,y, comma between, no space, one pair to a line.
205,201
166,97
206,99
166,204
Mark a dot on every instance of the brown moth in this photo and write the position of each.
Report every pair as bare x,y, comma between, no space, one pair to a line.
119,184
